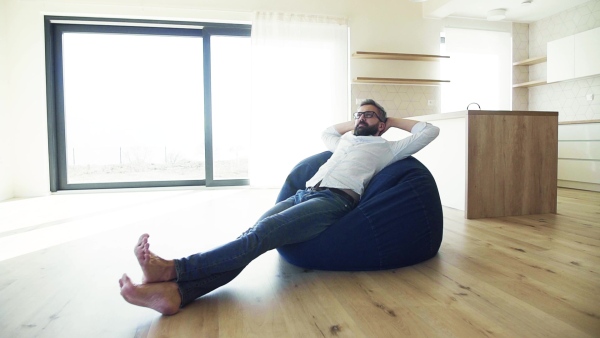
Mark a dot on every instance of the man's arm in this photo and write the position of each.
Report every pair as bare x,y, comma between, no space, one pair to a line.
395,122
331,136
422,134
392,122
344,127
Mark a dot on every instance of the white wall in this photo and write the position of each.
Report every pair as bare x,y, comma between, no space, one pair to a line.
6,158
375,25
410,34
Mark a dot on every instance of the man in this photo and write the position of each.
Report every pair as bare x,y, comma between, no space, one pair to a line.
335,189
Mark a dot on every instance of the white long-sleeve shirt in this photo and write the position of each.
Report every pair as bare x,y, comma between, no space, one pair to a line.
356,159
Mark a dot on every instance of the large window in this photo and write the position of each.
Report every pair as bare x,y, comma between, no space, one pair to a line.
140,104
230,73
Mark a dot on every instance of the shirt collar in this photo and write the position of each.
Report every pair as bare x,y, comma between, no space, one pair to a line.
349,136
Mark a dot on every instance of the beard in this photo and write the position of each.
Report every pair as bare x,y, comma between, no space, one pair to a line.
363,129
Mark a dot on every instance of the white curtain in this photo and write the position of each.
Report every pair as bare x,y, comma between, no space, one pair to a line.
299,87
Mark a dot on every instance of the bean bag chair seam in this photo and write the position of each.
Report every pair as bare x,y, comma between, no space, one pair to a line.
426,216
372,234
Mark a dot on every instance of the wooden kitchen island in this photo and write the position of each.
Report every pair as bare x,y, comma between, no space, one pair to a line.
495,163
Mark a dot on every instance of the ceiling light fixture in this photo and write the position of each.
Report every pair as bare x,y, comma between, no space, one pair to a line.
418,0
526,2
496,14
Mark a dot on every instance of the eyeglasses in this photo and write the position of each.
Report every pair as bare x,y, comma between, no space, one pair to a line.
367,114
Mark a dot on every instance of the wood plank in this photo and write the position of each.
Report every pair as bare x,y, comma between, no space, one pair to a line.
579,122
546,263
512,316
502,273
398,56
375,312
430,82
532,83
531,61
313,309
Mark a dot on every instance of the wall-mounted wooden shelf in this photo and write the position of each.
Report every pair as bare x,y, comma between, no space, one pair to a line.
531,61
398,56
530,84
386,80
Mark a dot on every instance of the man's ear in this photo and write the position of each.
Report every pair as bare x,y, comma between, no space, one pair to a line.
381,128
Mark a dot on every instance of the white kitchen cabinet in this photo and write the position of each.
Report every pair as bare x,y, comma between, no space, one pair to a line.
574,56
587,53
579,155
561,59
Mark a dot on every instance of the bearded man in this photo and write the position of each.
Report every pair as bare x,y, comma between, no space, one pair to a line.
359,153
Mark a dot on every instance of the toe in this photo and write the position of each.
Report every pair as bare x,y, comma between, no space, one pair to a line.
143,239
123,281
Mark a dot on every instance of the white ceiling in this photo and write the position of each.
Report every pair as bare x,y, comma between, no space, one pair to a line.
515,11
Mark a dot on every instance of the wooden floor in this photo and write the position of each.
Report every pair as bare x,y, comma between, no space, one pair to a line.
61,257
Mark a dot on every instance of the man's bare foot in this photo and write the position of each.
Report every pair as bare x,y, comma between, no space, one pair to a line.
162,297
155,269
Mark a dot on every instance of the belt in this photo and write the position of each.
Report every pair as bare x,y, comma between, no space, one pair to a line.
336,191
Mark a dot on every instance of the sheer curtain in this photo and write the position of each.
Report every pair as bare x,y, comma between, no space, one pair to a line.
299,87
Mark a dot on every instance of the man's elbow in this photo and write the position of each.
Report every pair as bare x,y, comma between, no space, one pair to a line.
433,131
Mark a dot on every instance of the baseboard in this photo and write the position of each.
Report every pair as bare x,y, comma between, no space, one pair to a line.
579,185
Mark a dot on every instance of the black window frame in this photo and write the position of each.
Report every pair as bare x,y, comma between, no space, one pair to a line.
54,26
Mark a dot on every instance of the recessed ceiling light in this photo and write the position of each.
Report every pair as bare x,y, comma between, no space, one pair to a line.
496,14
526,2
418,0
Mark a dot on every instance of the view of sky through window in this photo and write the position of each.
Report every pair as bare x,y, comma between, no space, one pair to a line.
134,107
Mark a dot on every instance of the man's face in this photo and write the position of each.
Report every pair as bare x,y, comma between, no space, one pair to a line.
371,126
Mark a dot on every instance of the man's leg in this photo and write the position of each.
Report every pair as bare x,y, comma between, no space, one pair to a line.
163,294
158,290
156,269
162,297
189,291
168,297
312,213
275,228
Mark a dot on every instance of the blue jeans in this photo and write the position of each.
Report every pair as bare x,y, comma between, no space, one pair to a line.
296,219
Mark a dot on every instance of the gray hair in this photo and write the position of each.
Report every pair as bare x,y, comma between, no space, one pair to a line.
371,102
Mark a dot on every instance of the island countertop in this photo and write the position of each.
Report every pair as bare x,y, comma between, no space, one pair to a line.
494,163
464,113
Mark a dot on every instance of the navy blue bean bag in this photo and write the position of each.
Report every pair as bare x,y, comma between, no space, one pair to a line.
398,221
